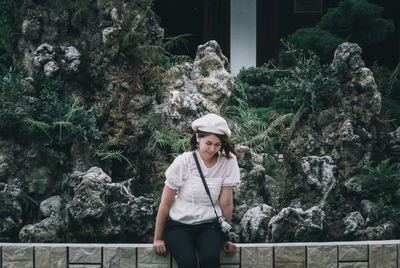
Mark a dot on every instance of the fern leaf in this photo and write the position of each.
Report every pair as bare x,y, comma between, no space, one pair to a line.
33,124
295,119
174,41
62,124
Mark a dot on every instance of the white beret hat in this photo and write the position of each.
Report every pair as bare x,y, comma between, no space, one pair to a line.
212,123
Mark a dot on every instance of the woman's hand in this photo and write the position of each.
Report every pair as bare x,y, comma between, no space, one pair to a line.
159,247
229,247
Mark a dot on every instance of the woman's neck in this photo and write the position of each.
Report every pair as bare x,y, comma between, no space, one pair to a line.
211,161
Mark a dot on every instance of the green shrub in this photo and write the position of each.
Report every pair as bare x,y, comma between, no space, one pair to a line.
264,137
256,83
391,110
266,114
44,116
106,151
163,139
321,42
381,182
238,95
388,83
9,19
307,83
357,21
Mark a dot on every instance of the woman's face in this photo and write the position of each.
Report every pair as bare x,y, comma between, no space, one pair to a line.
208,145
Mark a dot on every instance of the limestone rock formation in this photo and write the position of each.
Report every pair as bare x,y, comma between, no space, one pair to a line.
294,224
49,230
254,224
191,90
11,213
106,211
328,150
52,207
252,190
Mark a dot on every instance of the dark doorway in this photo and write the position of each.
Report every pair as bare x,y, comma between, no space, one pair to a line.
204,20
179,17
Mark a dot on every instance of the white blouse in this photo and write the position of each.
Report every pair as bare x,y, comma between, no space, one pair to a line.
192,204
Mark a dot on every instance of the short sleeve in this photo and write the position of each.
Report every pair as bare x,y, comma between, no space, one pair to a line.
176,173
232,175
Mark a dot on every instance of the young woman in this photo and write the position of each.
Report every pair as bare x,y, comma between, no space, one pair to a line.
186,218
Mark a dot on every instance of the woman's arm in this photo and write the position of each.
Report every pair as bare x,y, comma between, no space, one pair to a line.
226,202
167,199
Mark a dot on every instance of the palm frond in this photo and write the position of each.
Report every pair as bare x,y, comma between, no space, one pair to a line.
180,145
107,144
34,124
62,124
104,152
73,109
294,121
81,8
156,53
153,122
113,154
174,41
270,161
159,139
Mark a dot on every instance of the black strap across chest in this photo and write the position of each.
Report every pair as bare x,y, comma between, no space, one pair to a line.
204,181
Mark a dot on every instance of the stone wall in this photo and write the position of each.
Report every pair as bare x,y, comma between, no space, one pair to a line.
365,254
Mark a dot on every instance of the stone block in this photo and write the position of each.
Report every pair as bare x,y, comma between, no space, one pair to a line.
290,257
257,257
111,257
322,257
147,258
119,257
290,265
128,257
383,256
17,257
231,259
55,257
84,266
87,255
353,253
353,265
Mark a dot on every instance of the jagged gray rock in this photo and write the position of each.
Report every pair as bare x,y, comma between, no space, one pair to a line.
252,190
52,207
48,230
385,231
42,55
106,211
10,211
368,210
194,89
11,193
254,224
330,147
294,224
354,224
320,173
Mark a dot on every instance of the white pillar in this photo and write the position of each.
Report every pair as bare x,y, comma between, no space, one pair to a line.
243,34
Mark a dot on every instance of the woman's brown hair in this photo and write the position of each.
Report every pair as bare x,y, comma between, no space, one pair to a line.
227,146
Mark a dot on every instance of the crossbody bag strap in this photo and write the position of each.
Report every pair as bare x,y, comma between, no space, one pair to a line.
204,181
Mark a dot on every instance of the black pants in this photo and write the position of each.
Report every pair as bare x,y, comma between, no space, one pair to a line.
182,240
